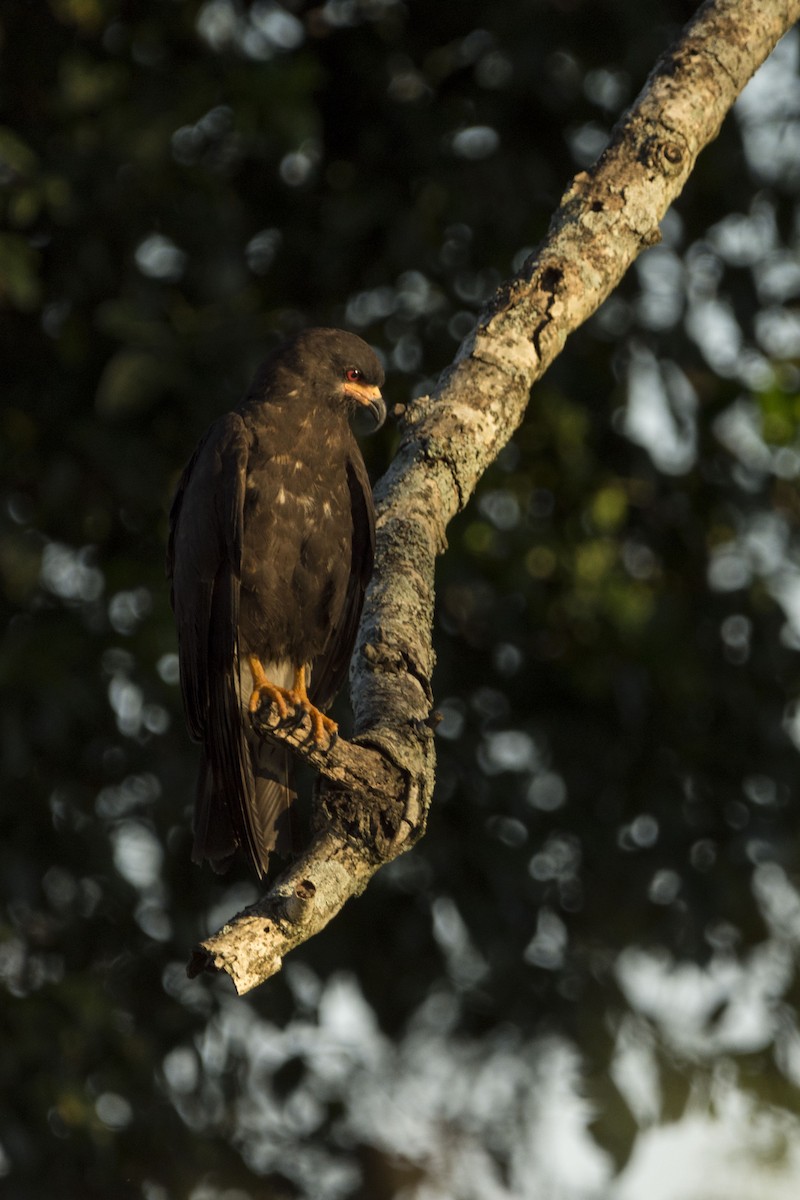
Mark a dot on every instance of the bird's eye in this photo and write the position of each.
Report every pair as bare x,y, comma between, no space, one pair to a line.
353,375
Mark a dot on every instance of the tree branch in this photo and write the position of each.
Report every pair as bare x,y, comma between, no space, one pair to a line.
374,801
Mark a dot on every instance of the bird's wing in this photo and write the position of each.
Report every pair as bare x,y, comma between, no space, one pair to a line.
330,668
204,565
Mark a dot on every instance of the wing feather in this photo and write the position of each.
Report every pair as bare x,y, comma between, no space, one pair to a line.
330,668
204,564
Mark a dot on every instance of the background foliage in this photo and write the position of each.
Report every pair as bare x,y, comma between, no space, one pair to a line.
598,938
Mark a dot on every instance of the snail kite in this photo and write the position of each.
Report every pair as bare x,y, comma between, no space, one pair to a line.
272,534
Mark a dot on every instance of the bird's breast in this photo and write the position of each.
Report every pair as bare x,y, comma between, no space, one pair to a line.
296,551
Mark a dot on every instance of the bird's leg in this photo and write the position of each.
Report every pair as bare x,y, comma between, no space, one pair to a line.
280,697
321,726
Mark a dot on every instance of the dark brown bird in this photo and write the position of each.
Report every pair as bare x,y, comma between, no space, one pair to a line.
272,535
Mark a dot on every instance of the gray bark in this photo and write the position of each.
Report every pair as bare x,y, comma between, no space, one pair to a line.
376,791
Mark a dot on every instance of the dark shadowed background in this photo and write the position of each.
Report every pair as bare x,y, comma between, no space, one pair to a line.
583,982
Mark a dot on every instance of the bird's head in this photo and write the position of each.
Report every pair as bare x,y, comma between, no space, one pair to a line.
338,368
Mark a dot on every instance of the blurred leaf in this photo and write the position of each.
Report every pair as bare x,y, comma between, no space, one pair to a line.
20,285
17,159
131,382
86,85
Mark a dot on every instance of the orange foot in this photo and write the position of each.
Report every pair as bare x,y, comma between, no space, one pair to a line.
282,698
323,729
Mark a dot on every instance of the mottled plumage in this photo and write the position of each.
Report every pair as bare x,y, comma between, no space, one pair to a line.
271,542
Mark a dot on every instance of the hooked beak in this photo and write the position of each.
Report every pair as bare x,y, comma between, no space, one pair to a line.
369,398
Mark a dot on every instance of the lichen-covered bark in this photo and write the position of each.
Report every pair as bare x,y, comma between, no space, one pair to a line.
608,215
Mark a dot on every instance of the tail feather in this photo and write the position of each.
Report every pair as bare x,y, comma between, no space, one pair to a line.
272,797
214,836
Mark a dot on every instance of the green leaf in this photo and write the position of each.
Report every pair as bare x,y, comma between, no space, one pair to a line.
20,286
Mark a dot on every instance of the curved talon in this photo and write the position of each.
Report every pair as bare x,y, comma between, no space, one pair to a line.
277,696
323,728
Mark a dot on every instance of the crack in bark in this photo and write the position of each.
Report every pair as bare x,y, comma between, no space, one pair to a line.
723,66
551,278
419,674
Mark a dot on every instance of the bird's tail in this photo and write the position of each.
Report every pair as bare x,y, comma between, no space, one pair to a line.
214,838
266,825
271,799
